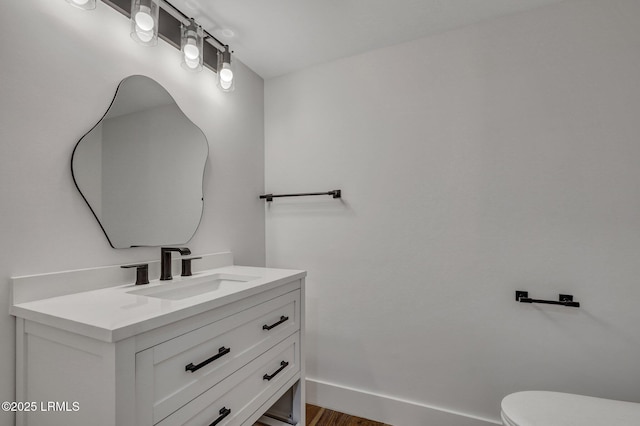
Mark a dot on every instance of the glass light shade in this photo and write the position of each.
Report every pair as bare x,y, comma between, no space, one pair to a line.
191,46
226,80
144,21
83,4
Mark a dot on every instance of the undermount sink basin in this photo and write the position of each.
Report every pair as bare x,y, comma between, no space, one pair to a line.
177,290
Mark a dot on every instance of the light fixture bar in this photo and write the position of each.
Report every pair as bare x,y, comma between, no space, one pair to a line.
169,29
184,19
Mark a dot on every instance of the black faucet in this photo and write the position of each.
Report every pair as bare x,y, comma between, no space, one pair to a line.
165,260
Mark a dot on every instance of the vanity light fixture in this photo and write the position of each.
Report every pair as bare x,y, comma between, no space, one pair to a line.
83,4
144,21
191,43
145,29
225,70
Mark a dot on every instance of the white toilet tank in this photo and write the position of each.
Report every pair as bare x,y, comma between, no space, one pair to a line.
539,408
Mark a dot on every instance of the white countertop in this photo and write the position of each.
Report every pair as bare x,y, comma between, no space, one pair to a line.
112,314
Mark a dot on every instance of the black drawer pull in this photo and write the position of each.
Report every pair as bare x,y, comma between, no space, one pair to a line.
222,351
269,327
283,365
224,412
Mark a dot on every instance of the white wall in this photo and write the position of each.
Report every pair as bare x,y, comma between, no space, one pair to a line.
59,70
498,157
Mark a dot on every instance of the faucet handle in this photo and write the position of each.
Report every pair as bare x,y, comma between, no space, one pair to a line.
142,272
186,265
184,251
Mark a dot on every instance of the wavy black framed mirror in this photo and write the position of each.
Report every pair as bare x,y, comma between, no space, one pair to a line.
141,168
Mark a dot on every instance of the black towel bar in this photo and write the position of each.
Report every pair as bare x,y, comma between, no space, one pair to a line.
336,193
563,299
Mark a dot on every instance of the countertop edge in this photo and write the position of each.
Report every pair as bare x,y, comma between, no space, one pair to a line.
147,324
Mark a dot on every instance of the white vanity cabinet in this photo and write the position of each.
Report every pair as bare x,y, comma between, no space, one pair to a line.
219,362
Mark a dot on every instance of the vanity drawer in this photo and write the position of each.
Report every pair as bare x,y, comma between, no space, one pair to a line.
171,374
241,394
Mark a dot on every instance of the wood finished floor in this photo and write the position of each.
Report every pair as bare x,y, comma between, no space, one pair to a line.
318,416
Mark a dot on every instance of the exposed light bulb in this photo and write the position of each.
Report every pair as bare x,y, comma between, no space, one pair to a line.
191,51
191,42
144,20
226,75
225,85
83,4
225,71
192,64
144,36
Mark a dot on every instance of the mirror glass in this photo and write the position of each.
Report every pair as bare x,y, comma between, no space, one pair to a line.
140,168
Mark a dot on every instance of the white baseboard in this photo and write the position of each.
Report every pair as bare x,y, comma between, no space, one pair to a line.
387,409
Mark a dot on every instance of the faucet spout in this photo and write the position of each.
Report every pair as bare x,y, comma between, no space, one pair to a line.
165,260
